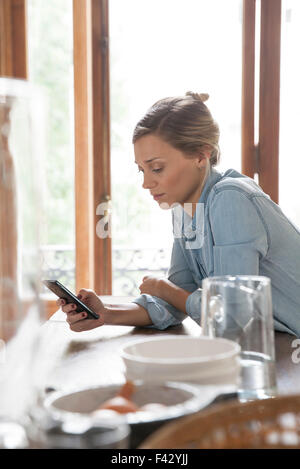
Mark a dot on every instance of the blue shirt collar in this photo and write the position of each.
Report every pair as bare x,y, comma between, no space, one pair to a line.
189,226
213,177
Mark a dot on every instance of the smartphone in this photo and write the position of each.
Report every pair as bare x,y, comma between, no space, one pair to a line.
62,292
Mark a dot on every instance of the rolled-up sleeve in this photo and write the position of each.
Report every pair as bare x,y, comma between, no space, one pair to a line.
163,314
193,305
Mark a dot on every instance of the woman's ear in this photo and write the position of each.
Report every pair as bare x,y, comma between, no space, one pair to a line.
203,157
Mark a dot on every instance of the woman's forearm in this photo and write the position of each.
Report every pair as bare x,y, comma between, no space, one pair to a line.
132,314
127,314
174,295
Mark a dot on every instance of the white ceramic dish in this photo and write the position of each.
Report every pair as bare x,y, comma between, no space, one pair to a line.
180,399
202,360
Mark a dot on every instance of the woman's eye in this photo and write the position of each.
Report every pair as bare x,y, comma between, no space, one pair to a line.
157,170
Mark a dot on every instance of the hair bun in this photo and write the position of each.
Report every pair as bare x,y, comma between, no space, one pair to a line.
200,96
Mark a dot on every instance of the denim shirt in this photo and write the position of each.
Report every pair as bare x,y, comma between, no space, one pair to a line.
241,232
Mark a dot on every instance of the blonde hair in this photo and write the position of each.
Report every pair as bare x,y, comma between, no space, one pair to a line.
184,122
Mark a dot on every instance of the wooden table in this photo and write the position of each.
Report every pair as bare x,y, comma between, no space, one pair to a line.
93,357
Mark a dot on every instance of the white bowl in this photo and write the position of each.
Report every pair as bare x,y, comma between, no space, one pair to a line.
203,360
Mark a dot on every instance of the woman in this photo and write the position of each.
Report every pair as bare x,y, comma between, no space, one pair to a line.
223,224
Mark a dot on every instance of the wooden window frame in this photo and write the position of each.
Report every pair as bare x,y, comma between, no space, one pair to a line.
92,142
249,164
262,158
92,146
13,48
269,97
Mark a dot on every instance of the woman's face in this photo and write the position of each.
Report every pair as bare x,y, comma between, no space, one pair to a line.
168,174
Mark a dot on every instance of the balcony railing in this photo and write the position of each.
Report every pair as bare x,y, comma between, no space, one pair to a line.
129,266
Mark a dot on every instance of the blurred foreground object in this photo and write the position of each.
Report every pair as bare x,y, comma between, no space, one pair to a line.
21,151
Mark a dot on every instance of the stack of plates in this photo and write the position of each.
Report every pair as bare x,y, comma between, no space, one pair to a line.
201,360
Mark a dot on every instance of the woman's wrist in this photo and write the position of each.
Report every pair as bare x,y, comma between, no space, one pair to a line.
105,315
164,289
167,290
127,314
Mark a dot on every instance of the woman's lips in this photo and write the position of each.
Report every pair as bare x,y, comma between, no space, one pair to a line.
158,196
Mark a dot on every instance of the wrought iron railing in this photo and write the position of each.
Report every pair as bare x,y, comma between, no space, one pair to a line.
58,262
129,266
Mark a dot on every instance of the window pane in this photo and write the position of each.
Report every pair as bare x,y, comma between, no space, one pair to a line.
159,49
289,160
50,40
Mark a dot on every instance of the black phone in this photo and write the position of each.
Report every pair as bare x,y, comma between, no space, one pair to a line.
62,292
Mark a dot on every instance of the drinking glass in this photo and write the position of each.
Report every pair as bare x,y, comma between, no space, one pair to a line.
239,308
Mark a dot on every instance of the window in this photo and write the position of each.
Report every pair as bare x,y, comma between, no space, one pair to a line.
50,65
289,157
160,49
125,60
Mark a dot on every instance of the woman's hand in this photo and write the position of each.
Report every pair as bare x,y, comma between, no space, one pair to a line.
166,290
155,286
77,321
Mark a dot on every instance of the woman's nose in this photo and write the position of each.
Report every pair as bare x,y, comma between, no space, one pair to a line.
148,182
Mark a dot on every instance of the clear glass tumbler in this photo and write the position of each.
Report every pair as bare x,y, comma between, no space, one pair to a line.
239,308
